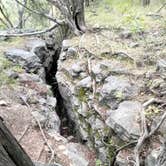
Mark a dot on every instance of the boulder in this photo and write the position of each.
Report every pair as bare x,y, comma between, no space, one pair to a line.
124,120
116,89
27,60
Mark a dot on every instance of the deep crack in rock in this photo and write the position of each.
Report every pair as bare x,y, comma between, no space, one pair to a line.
67,127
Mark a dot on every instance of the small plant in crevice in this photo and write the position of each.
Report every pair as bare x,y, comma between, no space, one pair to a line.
98,162
82,95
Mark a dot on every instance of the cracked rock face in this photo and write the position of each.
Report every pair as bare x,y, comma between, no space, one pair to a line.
91,111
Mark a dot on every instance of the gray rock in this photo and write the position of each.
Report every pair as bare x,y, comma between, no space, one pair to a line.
121,160
134,45
53,123
39,48
47,118
126,34
12,74
78,67
161,65
24,58
26,77
62,56
34,45
84,109
76,156
99,73
40,117
66,44
51,101
117,89
85,83
151,159
102,154
124,120
71,52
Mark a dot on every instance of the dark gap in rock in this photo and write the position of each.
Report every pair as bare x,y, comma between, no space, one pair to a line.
67,127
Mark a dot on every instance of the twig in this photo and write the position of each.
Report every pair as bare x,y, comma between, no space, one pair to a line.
158,125
29,34
93,80
121,148
122,53
141,139
151,101
147,103
146,135
6,16
161,8
4,22
24,132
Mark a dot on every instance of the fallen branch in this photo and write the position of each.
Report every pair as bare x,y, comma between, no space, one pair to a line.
151,101
29,34
141,139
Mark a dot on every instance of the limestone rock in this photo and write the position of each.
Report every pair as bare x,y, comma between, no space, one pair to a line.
24,58
85,83
117,89
124,120
79,67
51,101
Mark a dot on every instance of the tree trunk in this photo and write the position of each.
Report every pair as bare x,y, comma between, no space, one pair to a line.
145,2
21,11
4,158
73,12
11,153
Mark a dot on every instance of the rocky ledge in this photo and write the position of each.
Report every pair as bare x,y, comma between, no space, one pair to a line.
104,93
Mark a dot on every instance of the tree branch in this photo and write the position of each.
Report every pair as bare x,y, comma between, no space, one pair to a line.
29,34
39,13
161,8
5,16
4,22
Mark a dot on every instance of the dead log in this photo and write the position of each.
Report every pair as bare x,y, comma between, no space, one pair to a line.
11,153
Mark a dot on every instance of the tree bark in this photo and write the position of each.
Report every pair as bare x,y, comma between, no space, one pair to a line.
73,12
11,153
4,158
145,2
21,11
